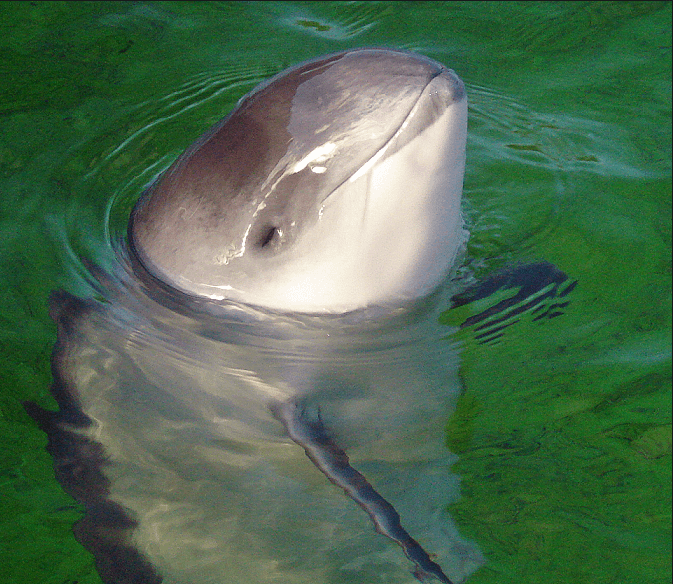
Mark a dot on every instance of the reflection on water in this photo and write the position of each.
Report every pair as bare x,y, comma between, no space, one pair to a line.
178,397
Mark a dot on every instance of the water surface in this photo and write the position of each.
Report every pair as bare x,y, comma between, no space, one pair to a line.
563,427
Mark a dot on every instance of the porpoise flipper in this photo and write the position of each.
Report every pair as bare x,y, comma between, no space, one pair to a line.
538,288
333,462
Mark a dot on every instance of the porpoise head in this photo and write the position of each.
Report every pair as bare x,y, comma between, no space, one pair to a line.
333,186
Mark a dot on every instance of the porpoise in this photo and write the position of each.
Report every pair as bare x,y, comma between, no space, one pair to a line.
272,315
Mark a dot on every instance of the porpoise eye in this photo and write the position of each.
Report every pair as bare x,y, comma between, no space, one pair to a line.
269,235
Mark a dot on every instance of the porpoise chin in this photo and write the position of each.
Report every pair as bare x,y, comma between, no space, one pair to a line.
334,186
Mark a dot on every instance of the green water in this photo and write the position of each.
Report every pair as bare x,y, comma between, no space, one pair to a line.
564,428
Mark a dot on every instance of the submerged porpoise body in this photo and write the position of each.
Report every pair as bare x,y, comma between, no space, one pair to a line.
269,307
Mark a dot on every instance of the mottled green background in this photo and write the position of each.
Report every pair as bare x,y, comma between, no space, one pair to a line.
564,428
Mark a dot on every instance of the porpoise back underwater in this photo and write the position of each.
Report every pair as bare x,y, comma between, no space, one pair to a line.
273,315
